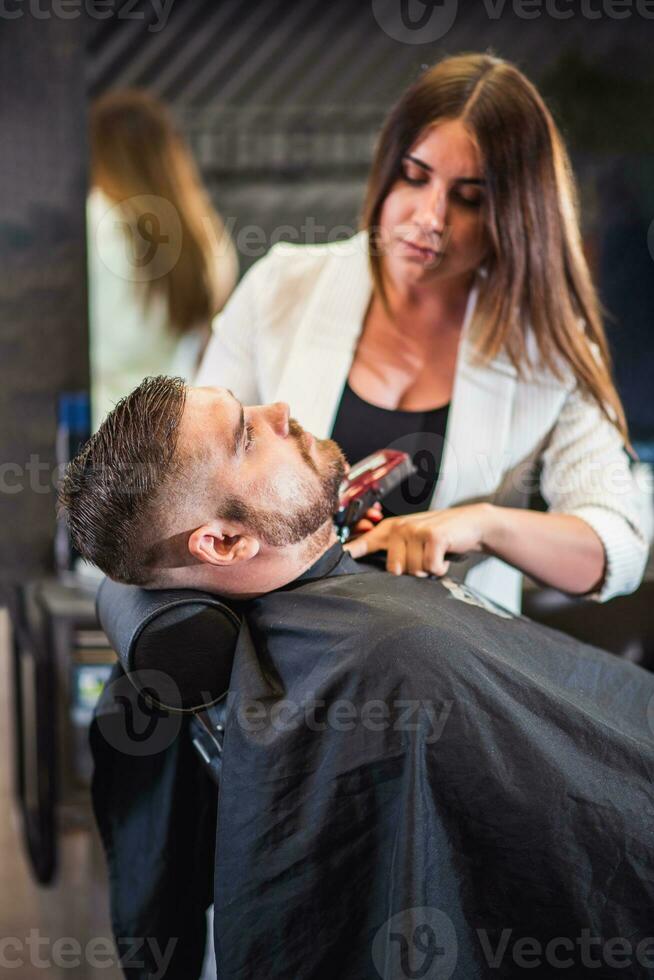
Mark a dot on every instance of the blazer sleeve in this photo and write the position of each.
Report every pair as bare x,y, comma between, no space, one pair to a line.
230,358
585,472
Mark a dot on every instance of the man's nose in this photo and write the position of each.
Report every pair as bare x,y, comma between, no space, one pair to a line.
278,414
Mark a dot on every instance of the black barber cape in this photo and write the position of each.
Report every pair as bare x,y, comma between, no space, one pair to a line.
156,813
416,784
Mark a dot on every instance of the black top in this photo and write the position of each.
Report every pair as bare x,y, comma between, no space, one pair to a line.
361,428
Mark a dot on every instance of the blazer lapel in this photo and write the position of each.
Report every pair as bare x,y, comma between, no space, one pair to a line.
320,356
478,424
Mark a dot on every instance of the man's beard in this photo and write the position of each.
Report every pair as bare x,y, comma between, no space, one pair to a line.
320,493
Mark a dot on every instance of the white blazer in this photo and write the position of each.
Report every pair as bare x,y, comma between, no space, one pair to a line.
289,333
127,338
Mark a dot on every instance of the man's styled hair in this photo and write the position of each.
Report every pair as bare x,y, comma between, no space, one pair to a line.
115,491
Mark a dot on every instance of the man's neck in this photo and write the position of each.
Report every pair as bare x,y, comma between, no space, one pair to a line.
271,569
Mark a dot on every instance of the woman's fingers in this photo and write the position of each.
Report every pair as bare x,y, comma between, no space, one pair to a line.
431,555
367,543
425,552
371,518
434,556
418,544
362,526
415,560
396,557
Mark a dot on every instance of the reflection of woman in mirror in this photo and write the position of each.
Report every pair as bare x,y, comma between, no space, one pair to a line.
161,264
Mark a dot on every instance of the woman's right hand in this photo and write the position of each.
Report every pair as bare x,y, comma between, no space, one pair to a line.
371,518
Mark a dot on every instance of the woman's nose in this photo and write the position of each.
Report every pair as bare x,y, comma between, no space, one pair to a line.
432,211
279,414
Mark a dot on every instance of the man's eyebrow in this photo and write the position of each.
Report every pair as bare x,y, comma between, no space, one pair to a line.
237,435
458,180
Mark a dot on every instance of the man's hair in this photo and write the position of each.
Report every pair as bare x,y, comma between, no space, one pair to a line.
114,492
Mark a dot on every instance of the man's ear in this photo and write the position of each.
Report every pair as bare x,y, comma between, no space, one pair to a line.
222,545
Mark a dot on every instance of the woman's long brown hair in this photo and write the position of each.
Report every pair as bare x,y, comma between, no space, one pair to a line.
141,162
537,272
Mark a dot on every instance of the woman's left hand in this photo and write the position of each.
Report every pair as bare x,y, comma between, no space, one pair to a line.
417,543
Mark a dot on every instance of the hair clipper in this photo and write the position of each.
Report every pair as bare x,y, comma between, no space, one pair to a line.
368,481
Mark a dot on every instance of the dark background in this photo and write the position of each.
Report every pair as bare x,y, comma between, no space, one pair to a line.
281,101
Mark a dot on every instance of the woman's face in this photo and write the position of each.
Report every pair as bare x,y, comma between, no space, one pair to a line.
432,223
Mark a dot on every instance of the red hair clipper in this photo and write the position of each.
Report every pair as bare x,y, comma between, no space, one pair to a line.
368,481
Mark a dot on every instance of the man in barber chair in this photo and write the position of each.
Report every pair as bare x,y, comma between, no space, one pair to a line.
414,782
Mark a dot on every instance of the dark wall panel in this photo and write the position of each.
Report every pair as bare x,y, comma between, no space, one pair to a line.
43,318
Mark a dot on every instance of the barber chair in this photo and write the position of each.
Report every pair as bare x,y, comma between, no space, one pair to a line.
624,626
177,649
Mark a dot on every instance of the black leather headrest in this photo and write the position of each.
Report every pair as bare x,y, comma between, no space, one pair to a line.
176,644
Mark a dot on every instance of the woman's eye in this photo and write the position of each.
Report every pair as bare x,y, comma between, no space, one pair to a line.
468,202
249,436
413,176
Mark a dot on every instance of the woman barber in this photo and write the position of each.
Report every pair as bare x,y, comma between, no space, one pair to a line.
461,322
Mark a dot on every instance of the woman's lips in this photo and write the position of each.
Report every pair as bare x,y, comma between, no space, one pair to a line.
422,251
